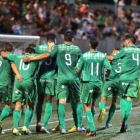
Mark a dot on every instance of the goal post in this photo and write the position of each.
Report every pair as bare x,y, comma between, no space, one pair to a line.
19,42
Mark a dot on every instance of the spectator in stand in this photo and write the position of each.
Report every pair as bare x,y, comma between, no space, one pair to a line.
42,18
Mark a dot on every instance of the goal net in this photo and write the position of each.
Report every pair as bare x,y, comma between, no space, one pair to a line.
19,42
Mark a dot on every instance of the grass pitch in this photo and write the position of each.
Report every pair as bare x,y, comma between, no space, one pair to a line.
112,133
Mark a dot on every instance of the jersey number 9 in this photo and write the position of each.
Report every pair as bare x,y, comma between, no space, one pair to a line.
68,59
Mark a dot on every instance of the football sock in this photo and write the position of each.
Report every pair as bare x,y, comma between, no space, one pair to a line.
74,113
128,110
79,114
101,105
111,113
93,112
16,117
61,113
48,113
123,106
39,111
28,113
90,121
31,117
5,112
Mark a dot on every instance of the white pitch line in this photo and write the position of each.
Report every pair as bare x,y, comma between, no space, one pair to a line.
66,120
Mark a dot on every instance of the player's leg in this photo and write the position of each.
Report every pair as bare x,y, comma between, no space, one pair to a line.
17,98
29,113
40,91
87,99
106,92
58,127
130,93
6,96
76,95
16,118
62,93
111,111
73,103
102,109
48,113
115,95
29,90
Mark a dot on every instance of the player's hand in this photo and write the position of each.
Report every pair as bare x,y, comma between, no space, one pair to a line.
19,78
26,59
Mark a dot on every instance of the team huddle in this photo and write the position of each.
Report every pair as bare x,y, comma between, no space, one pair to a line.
45,71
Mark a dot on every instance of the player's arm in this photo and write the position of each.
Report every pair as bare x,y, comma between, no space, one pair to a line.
36,58
52,53
15,70
107,66
110,57
118,55
79,65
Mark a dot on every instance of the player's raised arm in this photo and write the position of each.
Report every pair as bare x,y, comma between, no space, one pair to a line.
15,70
52,53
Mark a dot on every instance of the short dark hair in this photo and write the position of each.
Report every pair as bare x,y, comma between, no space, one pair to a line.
93,42
8,46
69,35
132,38
117,49
29,50
32,45
51,37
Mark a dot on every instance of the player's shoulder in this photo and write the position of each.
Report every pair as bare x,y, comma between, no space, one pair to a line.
42,46
86,54
71,46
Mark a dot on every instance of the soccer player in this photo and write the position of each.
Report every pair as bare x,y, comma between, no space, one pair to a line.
5,83
68,81
130,56
110,89
23,91
92,65
46,84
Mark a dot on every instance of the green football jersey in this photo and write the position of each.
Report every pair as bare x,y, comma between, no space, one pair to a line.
5,72
116,70
67,56
92,65
130,62
27,70
41,48
48,68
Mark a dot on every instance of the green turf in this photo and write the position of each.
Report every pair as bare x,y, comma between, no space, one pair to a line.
102,133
